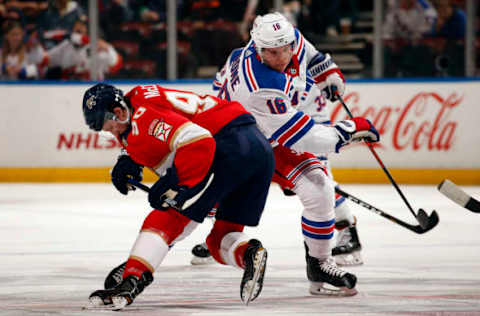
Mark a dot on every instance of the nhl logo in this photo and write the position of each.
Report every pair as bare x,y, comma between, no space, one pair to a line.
91,102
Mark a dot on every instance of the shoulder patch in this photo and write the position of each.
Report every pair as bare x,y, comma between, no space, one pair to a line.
159,129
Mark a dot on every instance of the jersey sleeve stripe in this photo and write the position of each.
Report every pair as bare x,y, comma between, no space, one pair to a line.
290,132
300,53
245,75
192,140
288,85
251,75
186,134
217,84
300,133
287,125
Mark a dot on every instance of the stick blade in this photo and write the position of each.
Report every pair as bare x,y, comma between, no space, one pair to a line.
457,195
427,222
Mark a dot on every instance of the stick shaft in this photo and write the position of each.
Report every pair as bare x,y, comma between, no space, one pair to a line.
380,162
139,185
417,229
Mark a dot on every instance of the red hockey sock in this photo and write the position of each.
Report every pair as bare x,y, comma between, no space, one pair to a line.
214,239
239,252
135,267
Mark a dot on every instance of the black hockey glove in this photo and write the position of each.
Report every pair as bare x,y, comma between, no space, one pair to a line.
166,192
123,169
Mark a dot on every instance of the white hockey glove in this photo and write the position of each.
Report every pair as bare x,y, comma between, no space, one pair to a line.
327,76
355,130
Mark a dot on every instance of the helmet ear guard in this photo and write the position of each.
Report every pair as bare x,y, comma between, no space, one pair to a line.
98,104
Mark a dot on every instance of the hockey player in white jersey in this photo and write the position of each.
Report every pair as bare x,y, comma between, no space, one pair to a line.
347,251
278,71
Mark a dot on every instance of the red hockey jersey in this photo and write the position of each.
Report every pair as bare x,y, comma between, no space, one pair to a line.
176,127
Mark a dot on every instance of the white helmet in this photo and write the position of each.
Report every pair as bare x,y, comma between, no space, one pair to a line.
272,30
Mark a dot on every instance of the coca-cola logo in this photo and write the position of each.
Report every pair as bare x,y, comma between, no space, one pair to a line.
422,123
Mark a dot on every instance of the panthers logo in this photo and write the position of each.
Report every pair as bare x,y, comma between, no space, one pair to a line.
91,102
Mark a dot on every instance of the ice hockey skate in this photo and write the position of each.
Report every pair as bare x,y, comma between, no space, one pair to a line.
121,295
327,279
201,255
114,278
347,251
255,259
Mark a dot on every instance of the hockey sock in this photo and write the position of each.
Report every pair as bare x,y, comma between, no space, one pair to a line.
232,248
220,229
136,267
342,210
159,229
316,192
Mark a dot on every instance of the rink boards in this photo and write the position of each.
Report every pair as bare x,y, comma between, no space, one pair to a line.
428,132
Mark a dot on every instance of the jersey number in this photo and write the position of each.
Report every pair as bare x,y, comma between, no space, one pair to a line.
277,106
223,93
136,115
190,103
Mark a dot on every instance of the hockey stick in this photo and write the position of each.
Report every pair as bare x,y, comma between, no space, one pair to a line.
170,202
457,195
139,185
422,217
415,228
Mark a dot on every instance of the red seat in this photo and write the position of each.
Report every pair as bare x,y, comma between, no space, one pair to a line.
140,68
127,48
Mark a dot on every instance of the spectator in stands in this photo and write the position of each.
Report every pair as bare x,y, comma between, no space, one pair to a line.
243,12
112,14
406,24
71,58
451,21
409,19
10,14
30,9
448,31
59,19
150,11
18,60
323,17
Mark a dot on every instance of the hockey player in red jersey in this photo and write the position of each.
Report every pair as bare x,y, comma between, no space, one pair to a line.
205,150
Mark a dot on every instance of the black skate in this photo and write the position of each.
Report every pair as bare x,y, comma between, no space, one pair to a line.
201,255
123,294
341,283
114,278
255,259
347,252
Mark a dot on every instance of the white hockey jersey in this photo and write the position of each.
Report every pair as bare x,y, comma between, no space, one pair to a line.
273,97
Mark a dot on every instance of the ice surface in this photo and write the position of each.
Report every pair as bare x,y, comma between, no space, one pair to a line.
58,242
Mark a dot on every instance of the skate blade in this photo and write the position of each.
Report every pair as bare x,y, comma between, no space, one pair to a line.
321,289
252,288
198,261
119,302
351,259
96,303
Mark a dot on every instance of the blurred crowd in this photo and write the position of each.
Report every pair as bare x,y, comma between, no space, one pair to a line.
43,39
424,38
